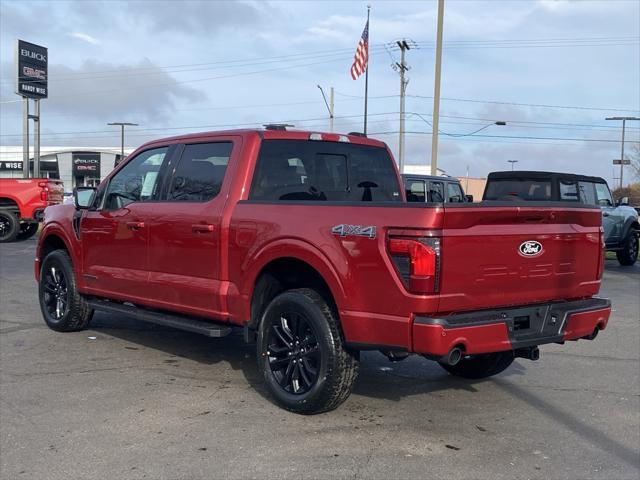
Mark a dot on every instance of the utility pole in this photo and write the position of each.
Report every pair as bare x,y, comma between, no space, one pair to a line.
622,161
402,67
436,91
512,162
331,110
122,125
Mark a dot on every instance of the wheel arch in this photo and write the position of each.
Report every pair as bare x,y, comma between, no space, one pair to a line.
10,203
50,241
287,265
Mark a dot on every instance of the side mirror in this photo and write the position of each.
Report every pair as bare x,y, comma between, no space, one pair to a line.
83,197
468,198
623,201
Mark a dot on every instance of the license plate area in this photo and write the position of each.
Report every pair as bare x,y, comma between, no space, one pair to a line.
521,322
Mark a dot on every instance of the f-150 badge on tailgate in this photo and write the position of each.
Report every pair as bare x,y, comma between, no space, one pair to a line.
530,248
354,230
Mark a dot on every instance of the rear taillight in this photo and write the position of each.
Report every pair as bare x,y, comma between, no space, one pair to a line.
602,255
417,261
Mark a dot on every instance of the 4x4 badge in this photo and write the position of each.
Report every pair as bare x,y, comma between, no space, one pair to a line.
530,248
354,230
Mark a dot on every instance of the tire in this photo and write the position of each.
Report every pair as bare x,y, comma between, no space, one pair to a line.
28,230
9,226
301,354
629,253
481,366
63,308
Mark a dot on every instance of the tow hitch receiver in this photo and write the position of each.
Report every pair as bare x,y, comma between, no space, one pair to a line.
530,353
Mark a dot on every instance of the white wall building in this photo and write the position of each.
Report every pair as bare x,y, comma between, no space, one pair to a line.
75,166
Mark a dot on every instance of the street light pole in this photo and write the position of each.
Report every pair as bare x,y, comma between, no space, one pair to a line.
122,125
436,91
329,106
512,162
624,120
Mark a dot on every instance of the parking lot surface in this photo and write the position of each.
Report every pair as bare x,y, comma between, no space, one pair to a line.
131,400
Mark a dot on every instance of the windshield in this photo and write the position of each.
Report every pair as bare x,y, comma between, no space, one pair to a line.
324,171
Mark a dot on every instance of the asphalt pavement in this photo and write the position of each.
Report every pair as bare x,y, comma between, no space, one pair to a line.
130,400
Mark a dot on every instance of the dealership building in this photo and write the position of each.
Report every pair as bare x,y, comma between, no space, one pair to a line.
75,166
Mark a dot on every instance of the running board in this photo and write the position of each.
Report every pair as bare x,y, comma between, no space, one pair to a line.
181,322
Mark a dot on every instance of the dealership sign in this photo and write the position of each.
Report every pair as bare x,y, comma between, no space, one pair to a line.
31,70
4,165
87,164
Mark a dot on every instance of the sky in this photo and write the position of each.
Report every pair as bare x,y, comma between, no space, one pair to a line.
553,70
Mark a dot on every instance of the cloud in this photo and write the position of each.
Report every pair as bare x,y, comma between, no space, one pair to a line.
101,92
85,37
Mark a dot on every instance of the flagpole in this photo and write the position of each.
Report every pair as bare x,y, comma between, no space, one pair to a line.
366,73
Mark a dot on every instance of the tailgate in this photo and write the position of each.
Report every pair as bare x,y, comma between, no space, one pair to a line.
516,255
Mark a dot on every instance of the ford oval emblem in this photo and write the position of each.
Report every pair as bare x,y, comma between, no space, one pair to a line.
530,248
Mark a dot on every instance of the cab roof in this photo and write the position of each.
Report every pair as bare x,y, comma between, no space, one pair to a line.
538,175
267,134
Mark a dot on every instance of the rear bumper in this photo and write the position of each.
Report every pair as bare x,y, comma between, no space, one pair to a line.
507,329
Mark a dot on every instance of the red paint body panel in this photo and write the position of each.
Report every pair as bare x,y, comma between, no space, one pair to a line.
211,272
28,194
582,324
437,340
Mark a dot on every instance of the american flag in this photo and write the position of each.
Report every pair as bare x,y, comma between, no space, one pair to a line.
361,57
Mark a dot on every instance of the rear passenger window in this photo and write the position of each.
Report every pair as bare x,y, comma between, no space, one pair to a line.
603,195
199,174
587,193
454,193
303,170
416,191
569,191
436,192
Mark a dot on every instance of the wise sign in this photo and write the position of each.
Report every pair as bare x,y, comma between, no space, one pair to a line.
31,70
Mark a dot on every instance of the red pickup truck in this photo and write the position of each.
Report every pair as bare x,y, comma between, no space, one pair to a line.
22,203
306,240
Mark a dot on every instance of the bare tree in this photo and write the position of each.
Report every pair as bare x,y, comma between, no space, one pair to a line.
634,156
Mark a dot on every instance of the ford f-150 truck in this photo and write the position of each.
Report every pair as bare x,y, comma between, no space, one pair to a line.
306,240
22,202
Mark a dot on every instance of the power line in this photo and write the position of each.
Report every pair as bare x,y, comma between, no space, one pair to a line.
223,64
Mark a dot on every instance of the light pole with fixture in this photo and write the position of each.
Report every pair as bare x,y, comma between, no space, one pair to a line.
329,105
512,162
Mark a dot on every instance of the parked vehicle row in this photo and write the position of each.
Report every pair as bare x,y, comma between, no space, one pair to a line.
306,241
22,204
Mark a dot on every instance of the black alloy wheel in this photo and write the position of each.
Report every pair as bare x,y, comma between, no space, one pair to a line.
9,226
56,292
293,353
28,230
306,367
629,253
63,308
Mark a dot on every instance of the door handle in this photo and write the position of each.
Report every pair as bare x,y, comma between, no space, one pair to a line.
135,225
202,228
605,214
